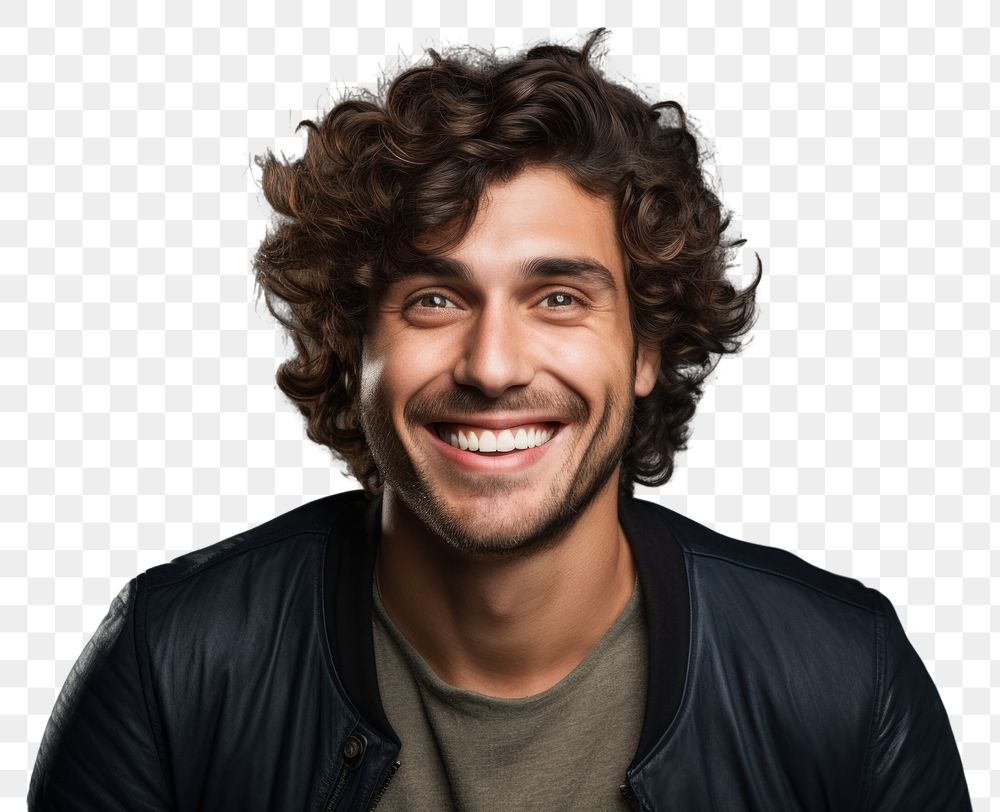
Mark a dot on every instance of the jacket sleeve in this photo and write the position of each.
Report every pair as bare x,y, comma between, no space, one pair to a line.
913,761
98,751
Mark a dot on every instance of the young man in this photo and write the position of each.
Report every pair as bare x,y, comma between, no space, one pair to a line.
505,282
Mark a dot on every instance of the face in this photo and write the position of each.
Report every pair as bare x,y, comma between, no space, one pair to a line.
497,386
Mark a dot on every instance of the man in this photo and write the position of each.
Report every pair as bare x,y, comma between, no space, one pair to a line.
505,284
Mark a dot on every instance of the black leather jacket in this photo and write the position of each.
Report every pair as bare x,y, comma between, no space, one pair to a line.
242,676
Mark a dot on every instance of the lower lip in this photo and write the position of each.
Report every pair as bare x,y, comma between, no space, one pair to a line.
503,462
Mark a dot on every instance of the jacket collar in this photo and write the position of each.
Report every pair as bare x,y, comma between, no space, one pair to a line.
660,562
349,570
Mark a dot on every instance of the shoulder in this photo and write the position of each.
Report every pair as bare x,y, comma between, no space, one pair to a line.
768,627
761,611
219,624
806,657
310,523
232,592
716,560
256,567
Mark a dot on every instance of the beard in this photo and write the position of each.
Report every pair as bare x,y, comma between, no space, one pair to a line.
499,531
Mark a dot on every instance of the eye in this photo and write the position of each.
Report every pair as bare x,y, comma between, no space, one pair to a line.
559,299
433,301
430,308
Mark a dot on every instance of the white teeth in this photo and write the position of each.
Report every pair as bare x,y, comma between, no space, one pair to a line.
486,441
505,440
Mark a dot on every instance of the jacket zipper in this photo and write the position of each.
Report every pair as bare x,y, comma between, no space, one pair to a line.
353,752
627,794
385,784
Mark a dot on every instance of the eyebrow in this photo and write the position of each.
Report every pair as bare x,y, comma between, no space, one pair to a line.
583,268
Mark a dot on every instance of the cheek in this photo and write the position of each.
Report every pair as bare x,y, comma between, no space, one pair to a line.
393,373
588,354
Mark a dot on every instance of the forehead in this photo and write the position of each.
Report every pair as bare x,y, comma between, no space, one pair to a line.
541,212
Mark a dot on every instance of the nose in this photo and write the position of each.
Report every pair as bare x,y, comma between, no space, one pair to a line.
496,354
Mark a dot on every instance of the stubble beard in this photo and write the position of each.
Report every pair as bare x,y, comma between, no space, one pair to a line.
567,498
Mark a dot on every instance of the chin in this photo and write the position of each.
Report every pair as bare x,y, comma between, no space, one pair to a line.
501,523
497,532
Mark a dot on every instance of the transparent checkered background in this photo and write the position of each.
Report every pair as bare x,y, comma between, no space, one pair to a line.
855,143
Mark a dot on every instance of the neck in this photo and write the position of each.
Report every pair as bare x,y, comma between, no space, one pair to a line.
505,626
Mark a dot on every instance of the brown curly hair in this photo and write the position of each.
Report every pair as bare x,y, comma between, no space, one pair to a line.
383,171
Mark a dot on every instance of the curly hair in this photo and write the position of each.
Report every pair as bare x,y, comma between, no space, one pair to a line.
381,172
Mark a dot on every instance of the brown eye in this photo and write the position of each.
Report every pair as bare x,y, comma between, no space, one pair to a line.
558,300
434,300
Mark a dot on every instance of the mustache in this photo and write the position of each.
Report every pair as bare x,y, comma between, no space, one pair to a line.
456,403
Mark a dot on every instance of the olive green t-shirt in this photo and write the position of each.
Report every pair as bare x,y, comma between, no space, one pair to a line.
565,748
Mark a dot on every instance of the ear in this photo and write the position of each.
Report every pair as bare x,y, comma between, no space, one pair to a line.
647,367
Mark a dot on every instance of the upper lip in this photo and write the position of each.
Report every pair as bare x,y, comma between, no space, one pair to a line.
494,421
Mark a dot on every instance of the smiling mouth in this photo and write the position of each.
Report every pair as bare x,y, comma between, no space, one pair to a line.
496,441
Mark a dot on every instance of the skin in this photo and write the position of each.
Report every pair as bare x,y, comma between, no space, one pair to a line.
503,570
